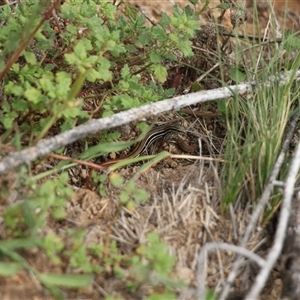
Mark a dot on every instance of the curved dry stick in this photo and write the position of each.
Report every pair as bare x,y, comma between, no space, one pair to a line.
201,266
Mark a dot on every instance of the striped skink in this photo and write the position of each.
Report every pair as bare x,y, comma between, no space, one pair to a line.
161,132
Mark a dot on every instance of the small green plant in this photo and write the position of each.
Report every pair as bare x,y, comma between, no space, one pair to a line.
23,222
30,215
129,194
153,266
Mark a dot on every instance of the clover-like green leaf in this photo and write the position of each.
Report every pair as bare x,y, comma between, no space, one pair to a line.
160,73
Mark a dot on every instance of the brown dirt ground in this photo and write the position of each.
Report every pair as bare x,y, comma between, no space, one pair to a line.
184,208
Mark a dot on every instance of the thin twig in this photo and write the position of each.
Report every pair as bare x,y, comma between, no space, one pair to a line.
206,158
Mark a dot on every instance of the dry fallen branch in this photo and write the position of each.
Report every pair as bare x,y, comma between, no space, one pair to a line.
47,146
